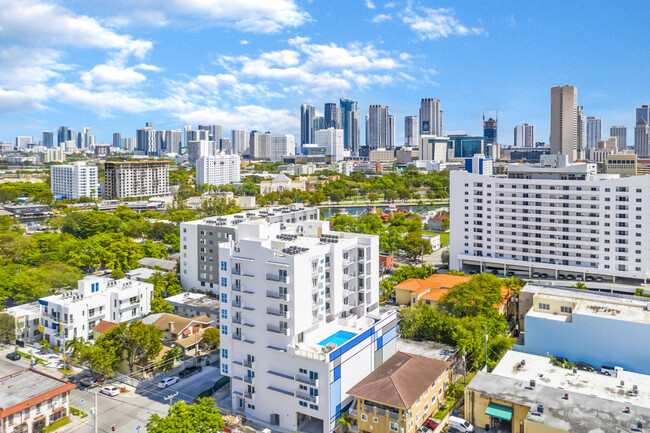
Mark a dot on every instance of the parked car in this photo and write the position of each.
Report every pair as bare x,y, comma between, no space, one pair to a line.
610,371
110,391
589,278
431,424
543,275
579,278
423,429
510,274
585,367
168,381
89,382
561,360
190,371
561,277
599,279
13,356
460,424
570,277
536,274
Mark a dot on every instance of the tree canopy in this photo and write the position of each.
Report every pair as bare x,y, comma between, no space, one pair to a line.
200,417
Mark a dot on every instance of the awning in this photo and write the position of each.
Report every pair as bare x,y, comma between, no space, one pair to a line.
500,411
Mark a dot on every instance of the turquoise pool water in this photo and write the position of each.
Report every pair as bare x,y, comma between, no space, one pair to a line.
340,337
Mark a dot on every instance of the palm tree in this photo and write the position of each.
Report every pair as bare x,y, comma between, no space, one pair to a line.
346,422
75,346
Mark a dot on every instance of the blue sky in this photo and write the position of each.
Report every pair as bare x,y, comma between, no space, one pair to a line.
251,63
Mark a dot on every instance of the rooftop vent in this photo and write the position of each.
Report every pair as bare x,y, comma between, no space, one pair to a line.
635,389
566,396
523,362
627,409
532,383
293,250
540,408
622,383
639,424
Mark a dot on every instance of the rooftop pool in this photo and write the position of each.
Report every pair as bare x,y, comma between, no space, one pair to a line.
339,337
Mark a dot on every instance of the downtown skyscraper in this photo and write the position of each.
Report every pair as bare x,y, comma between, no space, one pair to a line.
378,128
525,135
564,121
351,118
430,117
642,131
411,136
594,131
620,132
332,116
307,115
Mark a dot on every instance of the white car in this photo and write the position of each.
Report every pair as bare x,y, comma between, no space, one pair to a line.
110,391
169,381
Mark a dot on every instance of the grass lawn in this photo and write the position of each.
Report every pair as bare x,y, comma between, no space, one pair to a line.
76,412
444,237
56,425
28,356
449,402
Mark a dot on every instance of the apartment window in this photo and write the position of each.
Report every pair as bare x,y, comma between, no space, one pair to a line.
564,309
224,368
224,298
224,314
224,266
418,416
224,353
364,417
224,282
543,306
375,419
393,426
224,329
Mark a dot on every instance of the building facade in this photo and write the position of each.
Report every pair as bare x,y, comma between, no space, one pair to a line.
307,114
221,169
564,121
430,117
351,116
554,217
378,127
411,135
594,131
74,181
75,313
642,138
333,141
620,132
300,321
282,145
433,148
136,179
525,135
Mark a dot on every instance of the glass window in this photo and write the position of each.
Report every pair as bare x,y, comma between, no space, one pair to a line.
224,266
224,282
224,353
224,329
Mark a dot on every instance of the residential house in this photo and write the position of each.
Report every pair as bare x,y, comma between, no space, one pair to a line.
400,394
180,331
415,291
385,262
102,327
435,223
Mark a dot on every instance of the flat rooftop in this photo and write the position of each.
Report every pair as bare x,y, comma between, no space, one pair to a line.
194,300
25,385
255,214
594,403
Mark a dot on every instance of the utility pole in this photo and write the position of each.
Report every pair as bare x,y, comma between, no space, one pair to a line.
95,414
170,397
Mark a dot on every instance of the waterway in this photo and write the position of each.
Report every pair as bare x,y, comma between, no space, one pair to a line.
329,211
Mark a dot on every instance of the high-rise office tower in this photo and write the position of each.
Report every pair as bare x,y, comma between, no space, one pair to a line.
525,135
490,130
239,143
391,131
117,139
215,132
307,114
594,131
642,137
81,140
378,127
620,132
411,131
332,140
282,145
643,112
582,131
260,145
225,145
186,138
564,121
48,138
145,140
23,141
430,117
64,134
367,135
319,123
332,116
172,141
351,119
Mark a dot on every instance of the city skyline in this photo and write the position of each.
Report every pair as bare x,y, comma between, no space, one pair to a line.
112,72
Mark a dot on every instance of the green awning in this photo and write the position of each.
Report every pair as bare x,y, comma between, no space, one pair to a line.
500,411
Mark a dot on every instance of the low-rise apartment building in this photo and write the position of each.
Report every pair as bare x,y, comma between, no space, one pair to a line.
75,313
31,400
188,304
25,318
399,395
581,325
177,331
555,217
527,393
136,179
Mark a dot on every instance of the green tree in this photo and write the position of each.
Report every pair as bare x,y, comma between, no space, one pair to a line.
346,422
7,328
218,205
373,197
444,224
140,342
478,296
414,245
391,240
170,358
100,362
390,195
211,338
201,417
580,285
159,305
337,196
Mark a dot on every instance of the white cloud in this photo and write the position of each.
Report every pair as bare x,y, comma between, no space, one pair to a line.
112,75
370,4
389,5
257,16
248,117
244,42
35,23
436,23
381,18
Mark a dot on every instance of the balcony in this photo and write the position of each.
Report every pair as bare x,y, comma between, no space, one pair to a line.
353,412
278,278
276,295
236,337
249,364
307,397
278,313
235,304
236,320
236,288
249,395
277,329
302,378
